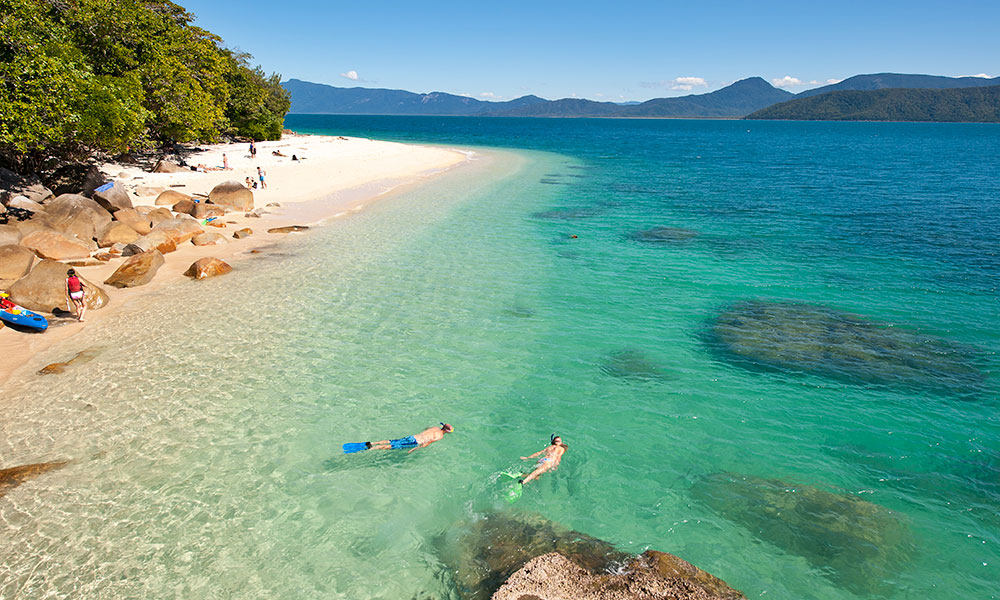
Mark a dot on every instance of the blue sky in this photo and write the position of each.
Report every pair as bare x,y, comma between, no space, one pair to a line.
603,50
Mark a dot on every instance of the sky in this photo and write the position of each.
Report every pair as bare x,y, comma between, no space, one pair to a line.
611,51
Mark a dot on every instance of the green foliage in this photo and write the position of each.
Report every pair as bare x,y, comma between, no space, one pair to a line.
972,105
80,75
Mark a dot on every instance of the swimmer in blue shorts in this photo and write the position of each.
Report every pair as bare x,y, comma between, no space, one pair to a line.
424,438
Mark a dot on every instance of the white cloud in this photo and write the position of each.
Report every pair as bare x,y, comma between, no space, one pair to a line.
984,76
688,83
488,95
786,81
833,81
352,75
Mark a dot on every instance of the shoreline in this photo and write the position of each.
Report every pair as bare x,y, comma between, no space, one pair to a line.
336,178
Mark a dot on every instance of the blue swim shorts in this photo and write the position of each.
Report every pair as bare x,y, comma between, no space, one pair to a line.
407,442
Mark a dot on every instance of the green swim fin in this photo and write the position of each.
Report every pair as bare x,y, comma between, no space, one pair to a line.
514,492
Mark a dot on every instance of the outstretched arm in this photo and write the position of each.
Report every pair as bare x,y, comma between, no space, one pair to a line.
414,449
533,455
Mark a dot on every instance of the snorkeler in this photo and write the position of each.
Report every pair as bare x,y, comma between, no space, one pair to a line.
419,440
551,455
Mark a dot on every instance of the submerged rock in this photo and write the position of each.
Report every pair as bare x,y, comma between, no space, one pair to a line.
650,576
664,235
82,357
839,345
499,548
288,229
857,544
15,476
632,364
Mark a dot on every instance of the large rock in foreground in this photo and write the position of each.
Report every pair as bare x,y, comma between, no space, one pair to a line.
136,270
44,289
56,245
15,261
486,553
858,544
233,194
822,341
651,576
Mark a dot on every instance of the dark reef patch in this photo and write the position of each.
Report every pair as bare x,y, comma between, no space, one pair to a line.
857,544
633,365
664,235
568,214
842,346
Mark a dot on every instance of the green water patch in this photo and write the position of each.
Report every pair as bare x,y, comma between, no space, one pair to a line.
857,544
823,341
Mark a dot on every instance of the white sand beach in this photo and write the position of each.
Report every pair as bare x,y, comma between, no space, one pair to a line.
333,177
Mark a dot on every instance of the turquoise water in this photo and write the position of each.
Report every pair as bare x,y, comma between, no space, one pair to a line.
206,435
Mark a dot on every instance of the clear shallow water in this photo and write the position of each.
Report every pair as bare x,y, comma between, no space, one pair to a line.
206,455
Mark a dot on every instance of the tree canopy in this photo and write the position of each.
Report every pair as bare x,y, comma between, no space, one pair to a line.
82,75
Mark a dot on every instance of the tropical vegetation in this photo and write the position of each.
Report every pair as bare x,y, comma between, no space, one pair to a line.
78,76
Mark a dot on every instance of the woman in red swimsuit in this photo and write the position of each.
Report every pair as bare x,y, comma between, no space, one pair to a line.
74,287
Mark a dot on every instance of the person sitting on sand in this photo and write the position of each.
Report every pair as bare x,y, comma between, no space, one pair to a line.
552,455
424,438
74,287
277,153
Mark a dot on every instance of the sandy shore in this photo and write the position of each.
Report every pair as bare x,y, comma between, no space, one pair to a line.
334,178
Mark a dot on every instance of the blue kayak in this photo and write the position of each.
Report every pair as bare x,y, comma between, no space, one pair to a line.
22,317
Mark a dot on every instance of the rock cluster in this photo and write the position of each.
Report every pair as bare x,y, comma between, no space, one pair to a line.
76,216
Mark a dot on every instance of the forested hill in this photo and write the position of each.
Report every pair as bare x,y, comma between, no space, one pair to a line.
881,81
109,75
979,104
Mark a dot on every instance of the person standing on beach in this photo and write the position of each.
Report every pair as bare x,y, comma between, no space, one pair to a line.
261,174
253,150
225,162
552,455
419,440
74,287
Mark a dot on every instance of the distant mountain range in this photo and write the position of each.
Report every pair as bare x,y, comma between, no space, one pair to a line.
966,105
745,97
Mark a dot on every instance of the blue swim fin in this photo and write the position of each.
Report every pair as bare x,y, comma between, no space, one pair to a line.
351,447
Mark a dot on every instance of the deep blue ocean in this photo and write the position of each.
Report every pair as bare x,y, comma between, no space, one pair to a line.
771,347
